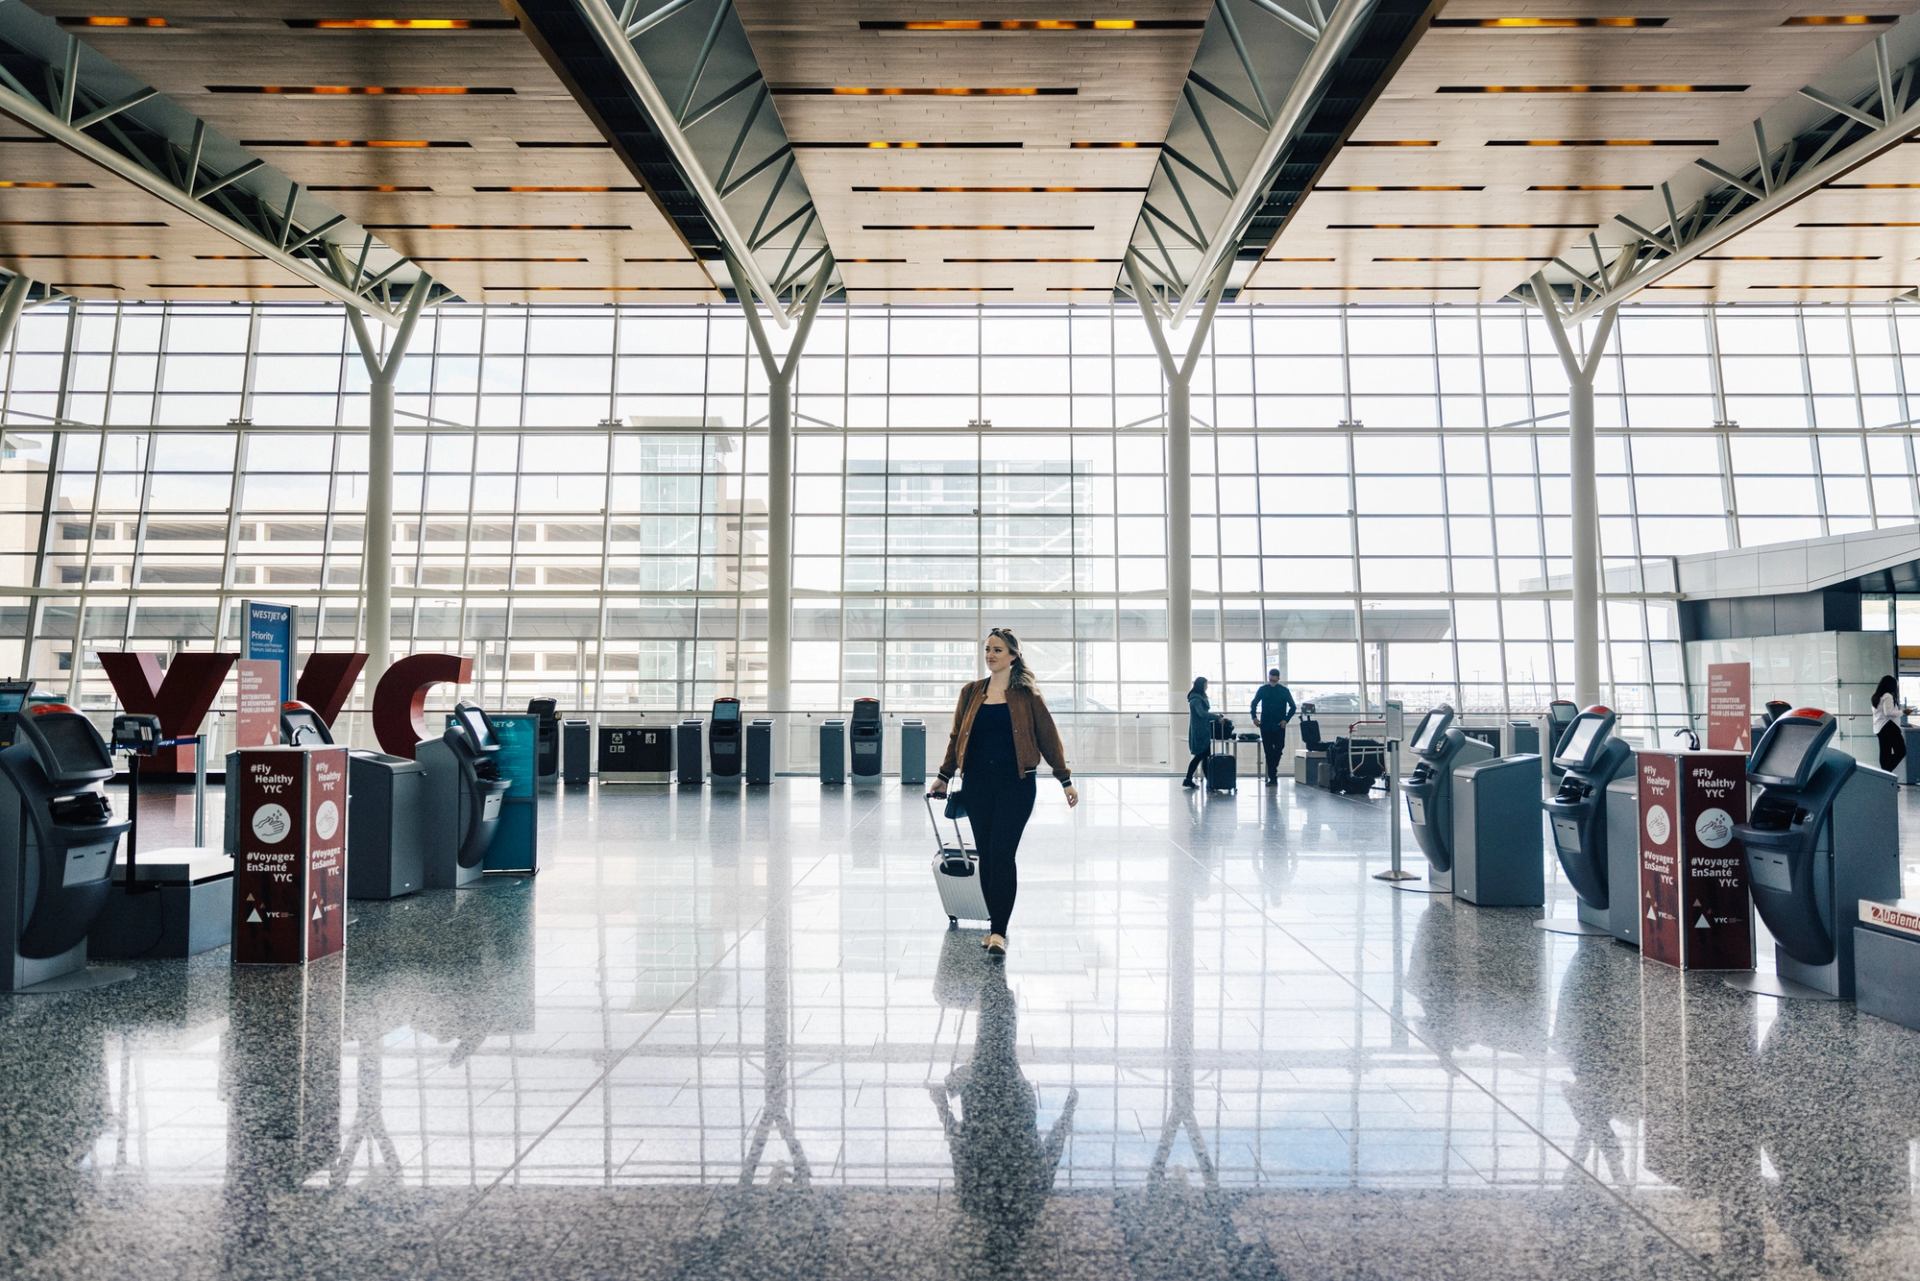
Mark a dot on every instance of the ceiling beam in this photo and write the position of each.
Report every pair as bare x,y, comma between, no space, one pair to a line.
68,114
1687,219
1253,53
729,144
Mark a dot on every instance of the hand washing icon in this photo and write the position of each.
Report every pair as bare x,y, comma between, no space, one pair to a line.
271,823
1714,827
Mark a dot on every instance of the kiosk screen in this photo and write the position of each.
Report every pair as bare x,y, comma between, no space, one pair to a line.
1430,727
304,729
727,711
1788,747
74,745
1579,743
478,727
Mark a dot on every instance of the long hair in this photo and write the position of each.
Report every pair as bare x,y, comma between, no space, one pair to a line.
1199,686
1019,675
1886,686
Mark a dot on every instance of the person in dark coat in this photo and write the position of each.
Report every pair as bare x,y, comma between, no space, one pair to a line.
1886,724
1199,727
1273,707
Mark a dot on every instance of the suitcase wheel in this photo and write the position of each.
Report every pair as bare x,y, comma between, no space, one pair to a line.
953,922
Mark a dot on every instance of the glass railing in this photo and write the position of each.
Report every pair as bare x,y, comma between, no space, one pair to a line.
1098,742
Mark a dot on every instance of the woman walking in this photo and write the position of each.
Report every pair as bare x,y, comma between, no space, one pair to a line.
1886,724
1199,727
1002,730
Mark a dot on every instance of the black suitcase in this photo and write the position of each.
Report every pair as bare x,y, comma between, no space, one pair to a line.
1223,772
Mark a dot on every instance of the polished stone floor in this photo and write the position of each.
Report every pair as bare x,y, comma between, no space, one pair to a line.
728,1035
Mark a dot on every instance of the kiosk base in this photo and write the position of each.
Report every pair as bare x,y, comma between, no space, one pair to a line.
1571,925
1773,985
181,905
1587,922
84,979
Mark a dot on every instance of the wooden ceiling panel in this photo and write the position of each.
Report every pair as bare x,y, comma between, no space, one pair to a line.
1123,85
1701,43
435,208
98,236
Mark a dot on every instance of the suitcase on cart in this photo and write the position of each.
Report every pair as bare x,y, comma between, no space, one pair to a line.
956,870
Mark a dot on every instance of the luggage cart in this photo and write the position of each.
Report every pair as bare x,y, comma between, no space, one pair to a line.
1365,756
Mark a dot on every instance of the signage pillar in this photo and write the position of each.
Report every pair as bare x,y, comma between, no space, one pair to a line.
290,865
1695,912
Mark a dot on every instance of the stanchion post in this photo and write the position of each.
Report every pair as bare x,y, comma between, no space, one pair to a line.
1394,871
133,814
199,790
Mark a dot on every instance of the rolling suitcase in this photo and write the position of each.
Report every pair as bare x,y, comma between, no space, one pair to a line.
956,870
1223,773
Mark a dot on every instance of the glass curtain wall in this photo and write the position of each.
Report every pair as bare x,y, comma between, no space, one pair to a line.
1380,494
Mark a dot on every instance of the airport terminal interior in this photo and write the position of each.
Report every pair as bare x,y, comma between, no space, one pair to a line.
541,542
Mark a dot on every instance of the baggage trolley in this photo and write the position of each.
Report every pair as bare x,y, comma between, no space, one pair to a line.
956,870
1366,758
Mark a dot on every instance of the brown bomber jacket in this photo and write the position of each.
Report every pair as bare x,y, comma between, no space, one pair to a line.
1034,733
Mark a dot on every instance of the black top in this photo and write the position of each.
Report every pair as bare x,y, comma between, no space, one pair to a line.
1273,706
990,744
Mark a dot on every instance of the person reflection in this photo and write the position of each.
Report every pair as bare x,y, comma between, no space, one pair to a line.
1002,1167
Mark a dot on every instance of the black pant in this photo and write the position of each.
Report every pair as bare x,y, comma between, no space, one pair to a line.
1275,741
999,808
1199,759
1893,747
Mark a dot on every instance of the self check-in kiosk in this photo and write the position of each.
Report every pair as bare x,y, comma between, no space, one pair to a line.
13,702
58,834
1822,834
1561,713
1438,747
724,738
1588,758
386,831
464,790
864,736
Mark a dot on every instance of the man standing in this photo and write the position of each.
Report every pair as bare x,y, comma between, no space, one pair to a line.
1273,707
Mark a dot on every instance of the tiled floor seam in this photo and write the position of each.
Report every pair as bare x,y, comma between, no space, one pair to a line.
1625,1204
615,1061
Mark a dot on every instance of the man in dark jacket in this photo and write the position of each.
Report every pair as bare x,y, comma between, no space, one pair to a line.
1272,708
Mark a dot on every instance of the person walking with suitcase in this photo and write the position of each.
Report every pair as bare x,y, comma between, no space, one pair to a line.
1002,730
1199,727
1273,707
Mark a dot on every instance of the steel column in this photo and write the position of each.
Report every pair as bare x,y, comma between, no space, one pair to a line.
779,371
1179,379
1585,486
1180,534
376,555
13,300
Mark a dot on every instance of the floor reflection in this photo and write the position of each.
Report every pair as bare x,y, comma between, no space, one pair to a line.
728,1033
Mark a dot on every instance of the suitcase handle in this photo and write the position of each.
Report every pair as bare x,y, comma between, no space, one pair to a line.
939,844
